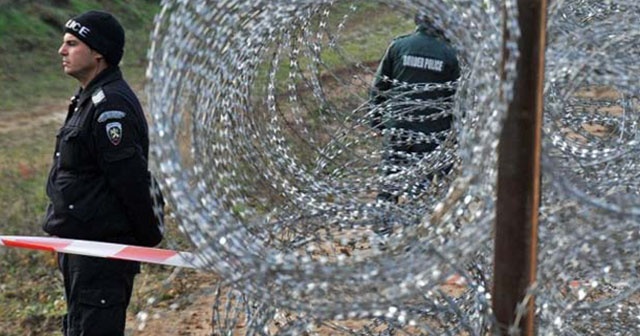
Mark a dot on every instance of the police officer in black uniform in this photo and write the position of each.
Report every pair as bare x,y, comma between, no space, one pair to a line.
99,181
412,114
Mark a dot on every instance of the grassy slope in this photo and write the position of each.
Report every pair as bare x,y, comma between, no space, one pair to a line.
31,32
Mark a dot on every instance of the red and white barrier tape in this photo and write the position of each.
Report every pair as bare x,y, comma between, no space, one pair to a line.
103,250
125,252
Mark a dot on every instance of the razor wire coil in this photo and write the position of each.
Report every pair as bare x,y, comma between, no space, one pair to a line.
261,138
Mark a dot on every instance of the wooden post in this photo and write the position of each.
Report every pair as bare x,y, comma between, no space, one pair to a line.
516,230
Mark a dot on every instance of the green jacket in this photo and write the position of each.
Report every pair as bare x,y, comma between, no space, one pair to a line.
416,58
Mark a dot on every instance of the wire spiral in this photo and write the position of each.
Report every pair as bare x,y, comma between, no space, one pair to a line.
262,142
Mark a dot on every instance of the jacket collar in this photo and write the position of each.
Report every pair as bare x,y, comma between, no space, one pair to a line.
431,31
425,29
108,75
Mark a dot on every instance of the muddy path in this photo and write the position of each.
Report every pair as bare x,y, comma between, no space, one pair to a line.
20,120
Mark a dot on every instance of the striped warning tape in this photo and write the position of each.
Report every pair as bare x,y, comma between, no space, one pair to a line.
103,250
172,258
127,252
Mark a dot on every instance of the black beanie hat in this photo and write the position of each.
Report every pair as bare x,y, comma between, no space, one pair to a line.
101,31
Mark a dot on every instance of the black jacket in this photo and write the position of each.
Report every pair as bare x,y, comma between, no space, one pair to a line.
99,180
410,62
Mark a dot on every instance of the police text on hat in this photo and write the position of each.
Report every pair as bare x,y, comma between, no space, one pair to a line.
101,31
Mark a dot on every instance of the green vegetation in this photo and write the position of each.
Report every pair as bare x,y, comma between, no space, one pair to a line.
31,32
358,41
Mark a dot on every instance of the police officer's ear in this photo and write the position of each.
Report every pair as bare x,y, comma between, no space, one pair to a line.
97,56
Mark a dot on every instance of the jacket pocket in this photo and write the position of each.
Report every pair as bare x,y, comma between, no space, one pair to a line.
69,149
78,197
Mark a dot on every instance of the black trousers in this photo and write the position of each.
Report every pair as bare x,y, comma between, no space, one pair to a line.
398,158
393,163
97,292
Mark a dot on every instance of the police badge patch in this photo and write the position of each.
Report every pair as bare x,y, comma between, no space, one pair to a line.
114,132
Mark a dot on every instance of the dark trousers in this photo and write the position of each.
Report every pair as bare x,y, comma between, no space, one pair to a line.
97,292
402,156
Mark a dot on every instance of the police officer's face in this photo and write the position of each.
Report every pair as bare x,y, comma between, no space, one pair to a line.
78,60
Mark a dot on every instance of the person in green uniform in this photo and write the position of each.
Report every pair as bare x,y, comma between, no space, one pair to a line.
408,106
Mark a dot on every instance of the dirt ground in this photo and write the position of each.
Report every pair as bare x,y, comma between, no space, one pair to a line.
192,317
14,121
192,321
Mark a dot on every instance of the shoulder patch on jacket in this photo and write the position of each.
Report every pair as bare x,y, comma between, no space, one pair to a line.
98,97
114,132
109,115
